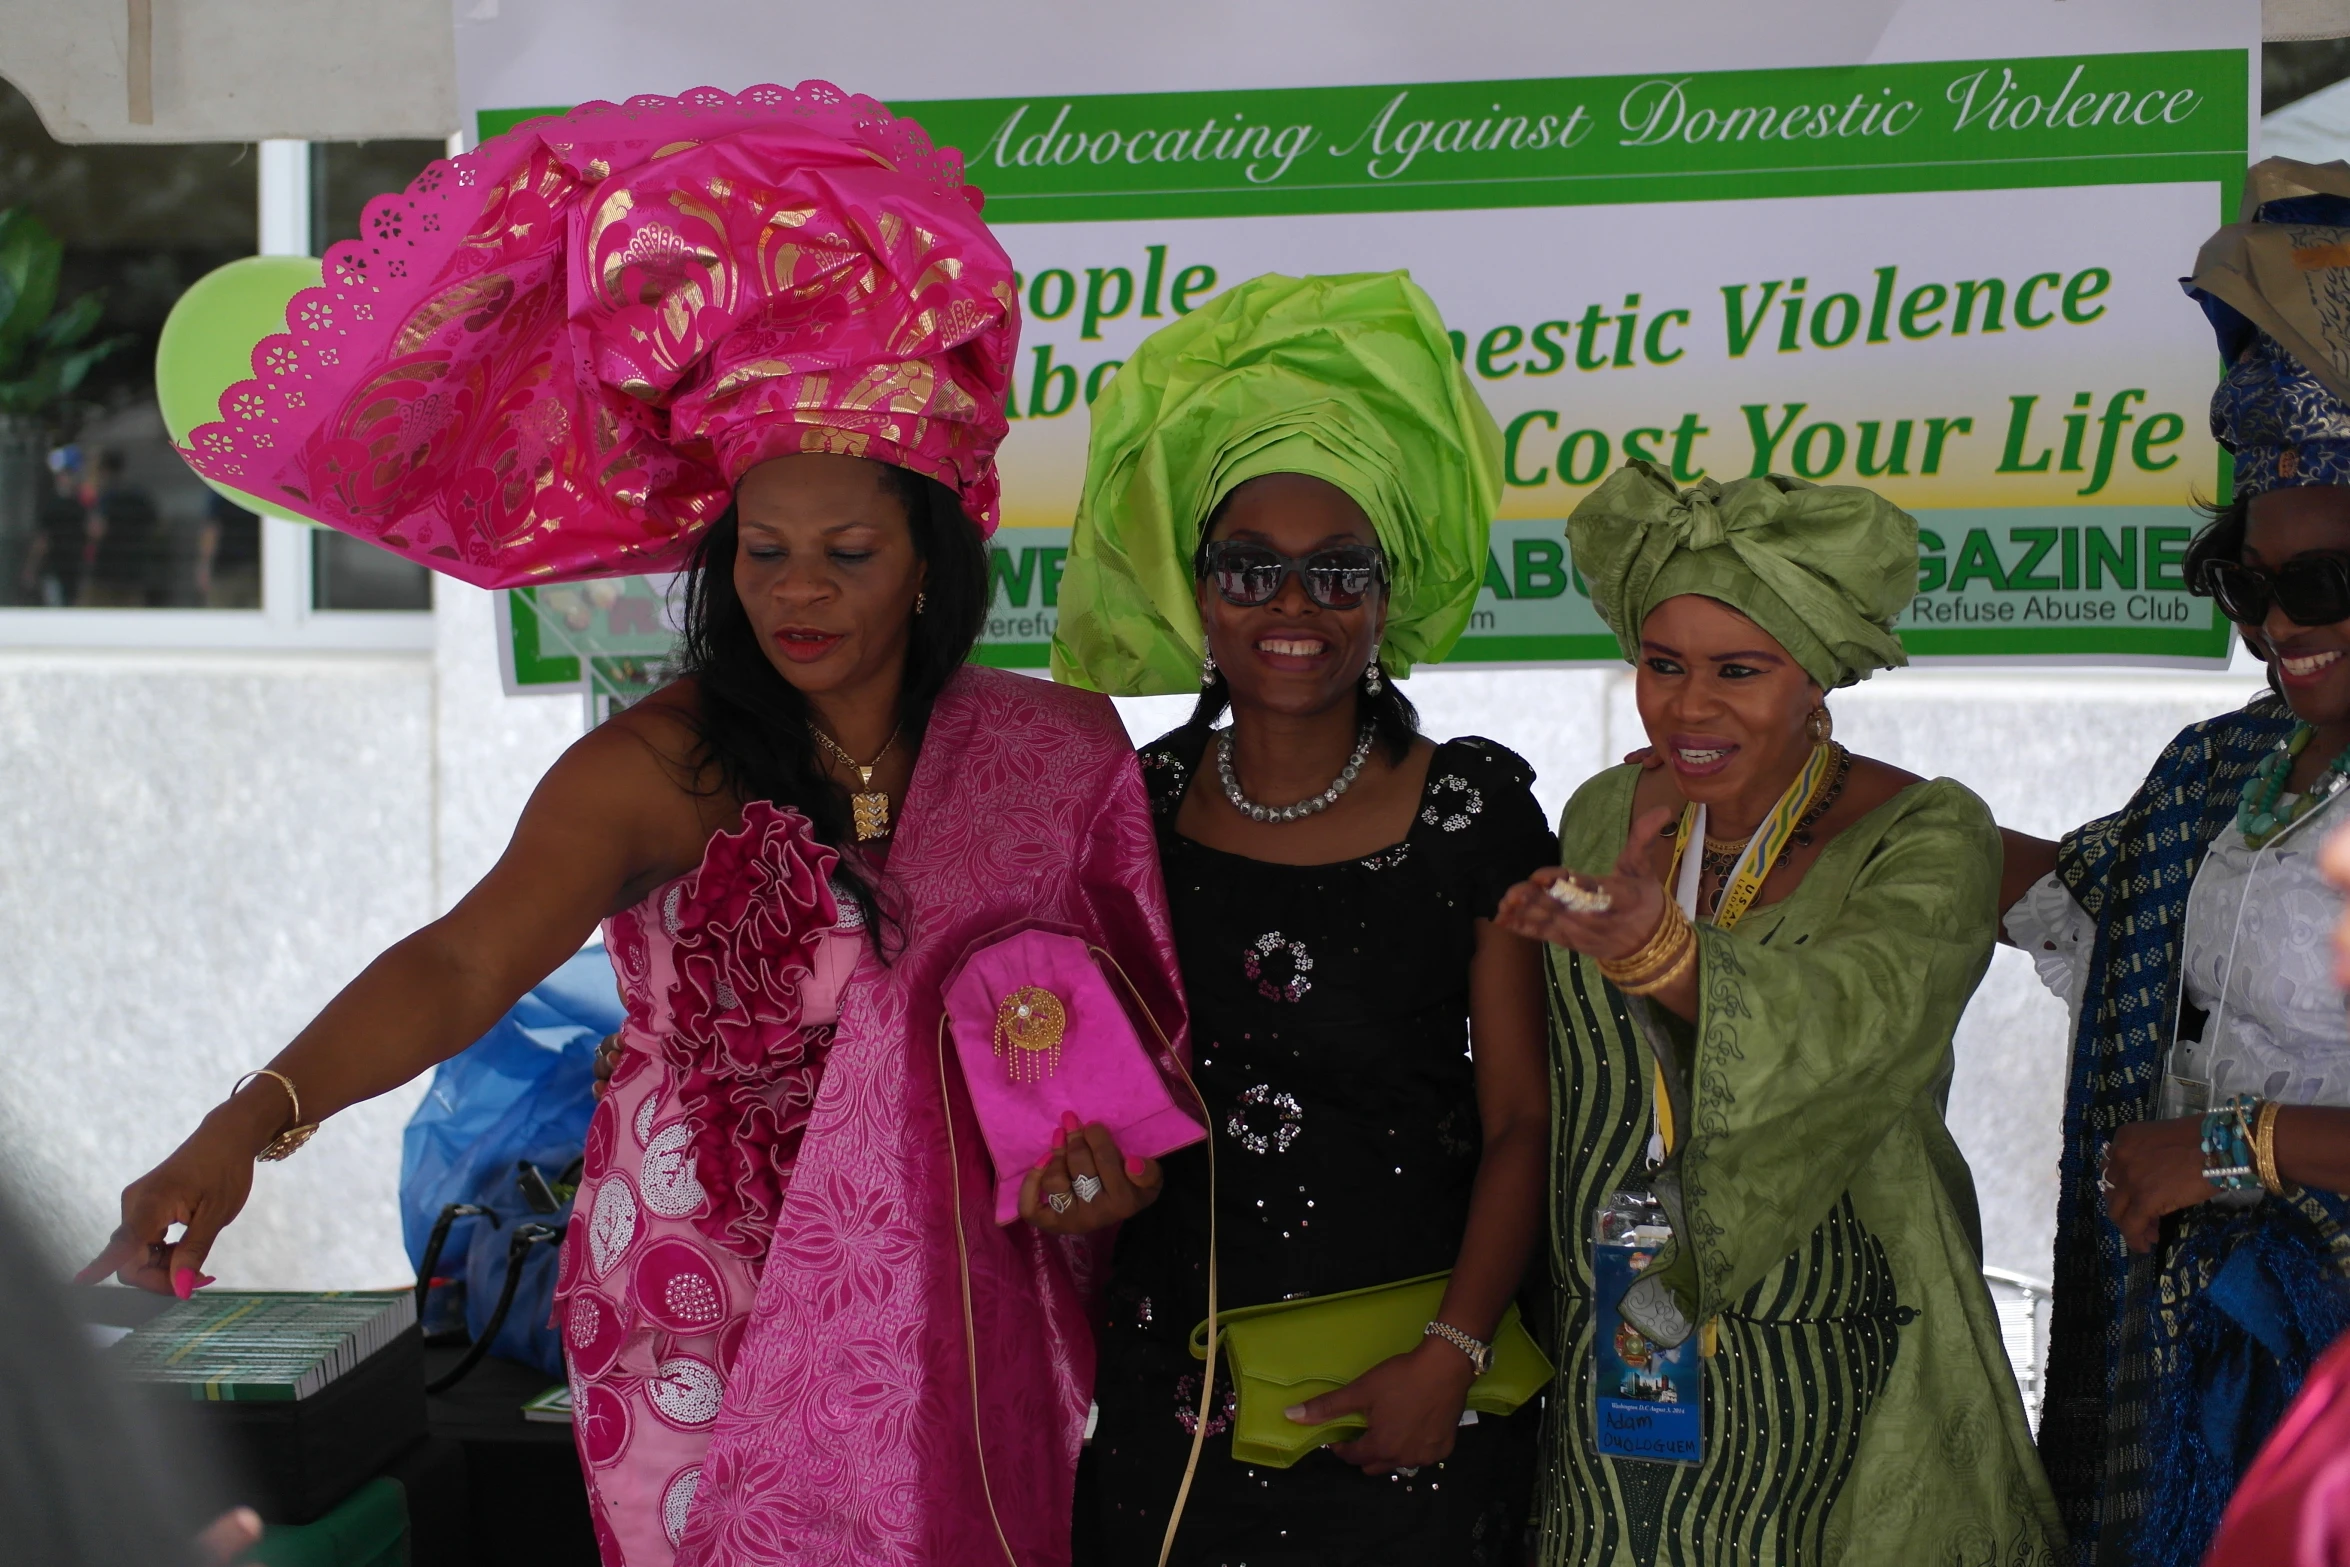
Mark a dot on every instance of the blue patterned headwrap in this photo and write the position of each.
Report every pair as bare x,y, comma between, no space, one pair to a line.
2276,288
2282,423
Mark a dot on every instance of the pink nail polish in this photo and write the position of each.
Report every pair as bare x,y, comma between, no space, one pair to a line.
1043,1161
204,1280
1133,1168
1070,1123
1060,1139
183,1282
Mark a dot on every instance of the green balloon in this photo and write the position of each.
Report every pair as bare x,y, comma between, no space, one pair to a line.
208,340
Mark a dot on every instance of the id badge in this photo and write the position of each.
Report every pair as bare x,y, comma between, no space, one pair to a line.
2184,1096
1648,1401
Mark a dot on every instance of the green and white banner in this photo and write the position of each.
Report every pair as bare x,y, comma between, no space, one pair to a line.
1954,279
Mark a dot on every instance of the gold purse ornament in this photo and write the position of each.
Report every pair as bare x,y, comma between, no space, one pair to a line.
1029,1025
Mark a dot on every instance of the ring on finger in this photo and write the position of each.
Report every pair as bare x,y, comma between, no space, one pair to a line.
1058,1201
1087,1187
1408,1470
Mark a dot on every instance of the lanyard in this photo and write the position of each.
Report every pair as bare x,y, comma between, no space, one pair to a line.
1762,850
1746,878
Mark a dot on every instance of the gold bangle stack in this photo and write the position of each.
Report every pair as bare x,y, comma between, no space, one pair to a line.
2264,1148
1663,959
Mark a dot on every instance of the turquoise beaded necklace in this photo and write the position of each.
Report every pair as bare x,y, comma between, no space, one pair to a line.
2257,816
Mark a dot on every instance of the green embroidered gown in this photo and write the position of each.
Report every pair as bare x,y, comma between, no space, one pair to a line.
1859,1407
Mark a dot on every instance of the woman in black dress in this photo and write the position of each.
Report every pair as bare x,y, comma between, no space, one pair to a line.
1369,1044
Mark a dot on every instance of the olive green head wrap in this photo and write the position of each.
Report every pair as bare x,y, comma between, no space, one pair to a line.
1351,380
1824,569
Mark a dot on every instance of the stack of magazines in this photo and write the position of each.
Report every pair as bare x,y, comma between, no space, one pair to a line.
273,1347
306,1394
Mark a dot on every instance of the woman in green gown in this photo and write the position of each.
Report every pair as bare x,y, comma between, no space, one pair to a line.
1752,1044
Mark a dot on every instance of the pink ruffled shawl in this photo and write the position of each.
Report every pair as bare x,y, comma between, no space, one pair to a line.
746,926
849,1432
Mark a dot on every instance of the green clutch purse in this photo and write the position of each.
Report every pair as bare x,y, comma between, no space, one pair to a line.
1284,1353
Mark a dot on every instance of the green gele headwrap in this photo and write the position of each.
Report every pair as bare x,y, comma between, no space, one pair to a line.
1824,568
1347,379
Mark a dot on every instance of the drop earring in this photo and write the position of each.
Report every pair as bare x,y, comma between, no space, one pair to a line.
1207,671
1373,684
921,601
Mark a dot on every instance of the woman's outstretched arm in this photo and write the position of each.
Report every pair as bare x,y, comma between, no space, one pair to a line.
609,820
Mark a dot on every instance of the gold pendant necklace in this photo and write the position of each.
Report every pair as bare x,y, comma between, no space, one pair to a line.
869,807
1720,856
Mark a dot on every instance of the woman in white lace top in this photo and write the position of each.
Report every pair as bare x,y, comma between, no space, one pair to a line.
2257,967
2203,1246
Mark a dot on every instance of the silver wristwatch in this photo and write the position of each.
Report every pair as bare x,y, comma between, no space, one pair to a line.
1479,1352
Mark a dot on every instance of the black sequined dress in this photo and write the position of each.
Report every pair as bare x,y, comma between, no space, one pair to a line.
1329,1026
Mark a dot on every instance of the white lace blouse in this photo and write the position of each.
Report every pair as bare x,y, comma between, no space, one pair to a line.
2258,958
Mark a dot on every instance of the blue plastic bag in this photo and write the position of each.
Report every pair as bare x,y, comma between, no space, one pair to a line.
522,1093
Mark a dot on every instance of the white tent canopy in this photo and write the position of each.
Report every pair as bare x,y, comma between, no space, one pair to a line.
2297,21
336,70
234,70
2315,129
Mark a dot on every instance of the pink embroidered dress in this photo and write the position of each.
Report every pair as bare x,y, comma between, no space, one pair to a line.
854,1421
732,977
767,1115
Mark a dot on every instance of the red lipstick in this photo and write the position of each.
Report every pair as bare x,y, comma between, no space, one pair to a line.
806,644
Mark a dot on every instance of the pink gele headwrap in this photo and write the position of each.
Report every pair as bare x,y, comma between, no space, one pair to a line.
552,357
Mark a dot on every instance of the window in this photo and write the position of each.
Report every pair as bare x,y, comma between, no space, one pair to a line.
96,510
348,573
106,537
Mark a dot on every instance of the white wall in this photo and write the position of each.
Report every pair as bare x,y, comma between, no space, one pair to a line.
196,851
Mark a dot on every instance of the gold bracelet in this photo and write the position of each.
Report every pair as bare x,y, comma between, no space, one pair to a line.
1659,958
1672,971
1651,952
2264,1148
296,1133
1653,959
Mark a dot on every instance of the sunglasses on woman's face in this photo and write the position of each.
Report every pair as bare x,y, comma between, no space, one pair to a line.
2312,589
1250,575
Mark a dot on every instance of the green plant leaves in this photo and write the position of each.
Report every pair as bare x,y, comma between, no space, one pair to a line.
70,325
30,257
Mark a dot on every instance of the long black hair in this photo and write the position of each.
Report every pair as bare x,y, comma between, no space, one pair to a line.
1395,723
752,726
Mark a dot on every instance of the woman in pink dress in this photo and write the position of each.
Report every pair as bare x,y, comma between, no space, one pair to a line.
765,337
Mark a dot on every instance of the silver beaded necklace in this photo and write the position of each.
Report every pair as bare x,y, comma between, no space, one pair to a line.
1311,805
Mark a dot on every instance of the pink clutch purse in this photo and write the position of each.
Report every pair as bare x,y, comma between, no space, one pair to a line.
1039,1031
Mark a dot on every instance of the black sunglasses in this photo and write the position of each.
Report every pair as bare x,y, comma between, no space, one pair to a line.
2312,589
1249,575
